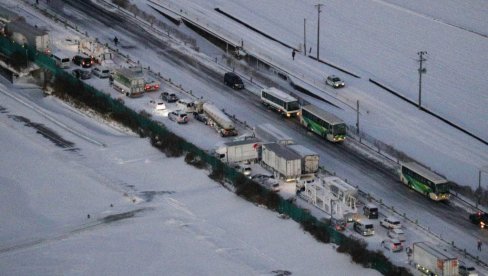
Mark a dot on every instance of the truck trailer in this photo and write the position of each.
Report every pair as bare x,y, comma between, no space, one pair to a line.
221,122
128,82
433,261
310,159
239,151
282,160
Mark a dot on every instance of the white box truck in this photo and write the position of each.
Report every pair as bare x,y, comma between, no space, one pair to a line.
310,159
432,260
282,160
238,151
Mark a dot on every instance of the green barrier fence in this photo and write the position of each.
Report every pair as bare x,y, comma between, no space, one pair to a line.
105,104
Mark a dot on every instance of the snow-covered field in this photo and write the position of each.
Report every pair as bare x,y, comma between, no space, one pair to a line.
109,174
174,220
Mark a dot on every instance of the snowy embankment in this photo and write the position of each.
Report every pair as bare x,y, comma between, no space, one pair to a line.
172,221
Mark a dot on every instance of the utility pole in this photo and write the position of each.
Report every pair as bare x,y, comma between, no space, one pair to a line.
421,71
304,37
357,118
318,29
478,191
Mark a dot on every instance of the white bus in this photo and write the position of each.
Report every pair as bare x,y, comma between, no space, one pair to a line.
280,101
61,60
424,181
323,123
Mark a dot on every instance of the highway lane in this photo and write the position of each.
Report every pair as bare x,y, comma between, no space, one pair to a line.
343,159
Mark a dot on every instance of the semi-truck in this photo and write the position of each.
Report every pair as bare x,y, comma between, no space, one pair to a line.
432,260
221,122
310,159
128,82
239,151
282,160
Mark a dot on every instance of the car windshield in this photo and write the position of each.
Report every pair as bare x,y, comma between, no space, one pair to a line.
336,79
368,226
395,222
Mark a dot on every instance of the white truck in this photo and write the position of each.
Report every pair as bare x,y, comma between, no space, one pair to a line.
221,122
310,159
282,160
269,133
431,260
92,48
128,82
239,151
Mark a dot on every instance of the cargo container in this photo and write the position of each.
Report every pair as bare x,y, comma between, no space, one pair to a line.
282,160
310,159
432,260
239,151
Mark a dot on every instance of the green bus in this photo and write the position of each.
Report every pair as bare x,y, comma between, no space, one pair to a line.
323,123
424,181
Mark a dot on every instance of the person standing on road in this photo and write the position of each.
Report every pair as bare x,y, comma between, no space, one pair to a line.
479,245
116,40
293,54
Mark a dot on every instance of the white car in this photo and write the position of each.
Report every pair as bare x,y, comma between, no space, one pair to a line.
334,81
158,104
390,223
393,245
101,72
397,233
179,116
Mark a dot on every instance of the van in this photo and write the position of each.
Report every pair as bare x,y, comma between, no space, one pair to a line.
233,80
61,61
364,227
186,105
370,211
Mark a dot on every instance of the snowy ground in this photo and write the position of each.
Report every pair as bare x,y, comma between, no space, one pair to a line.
452,149
175,220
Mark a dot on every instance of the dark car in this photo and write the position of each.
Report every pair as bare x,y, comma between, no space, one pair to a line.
480,219
233,80
169,97
200,117
81,74
82,61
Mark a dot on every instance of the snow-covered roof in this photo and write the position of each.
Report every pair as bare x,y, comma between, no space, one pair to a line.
242,142
280,94
302,150
282,151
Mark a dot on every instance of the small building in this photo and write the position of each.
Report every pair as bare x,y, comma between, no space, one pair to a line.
282,160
